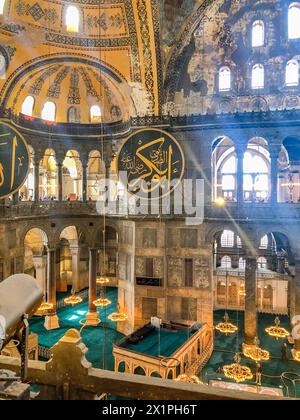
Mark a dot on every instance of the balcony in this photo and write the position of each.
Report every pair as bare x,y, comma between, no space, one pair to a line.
247,212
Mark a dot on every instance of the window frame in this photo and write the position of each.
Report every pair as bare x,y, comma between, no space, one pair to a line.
257,22
92,117
291,85
55,111
292,5
258,87
227,89
32,108
78,28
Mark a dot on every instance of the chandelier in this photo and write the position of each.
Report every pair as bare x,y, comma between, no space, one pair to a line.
276,331
256,353
237,372
102,302
226,327
118,317
73,300
190,379
44,308
102,280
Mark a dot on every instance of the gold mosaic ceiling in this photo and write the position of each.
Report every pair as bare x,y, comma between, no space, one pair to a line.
119,40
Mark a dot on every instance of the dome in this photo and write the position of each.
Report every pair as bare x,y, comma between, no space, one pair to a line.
75,90
80,54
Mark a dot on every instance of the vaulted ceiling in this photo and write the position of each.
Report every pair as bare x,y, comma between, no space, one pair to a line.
118,58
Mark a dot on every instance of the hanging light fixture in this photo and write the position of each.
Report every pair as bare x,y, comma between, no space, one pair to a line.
277,331
190,379
101,280
255,353
44,309
73,300
102,302
238,372
118,316
226,327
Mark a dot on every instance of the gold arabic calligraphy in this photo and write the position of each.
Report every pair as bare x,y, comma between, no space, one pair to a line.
155,168
14,158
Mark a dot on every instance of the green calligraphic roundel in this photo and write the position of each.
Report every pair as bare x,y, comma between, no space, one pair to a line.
14,160
151,162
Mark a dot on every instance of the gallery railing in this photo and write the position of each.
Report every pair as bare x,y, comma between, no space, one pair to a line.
246,212
251,119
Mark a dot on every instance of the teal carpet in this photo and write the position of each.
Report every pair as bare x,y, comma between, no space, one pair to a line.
226,347
98,340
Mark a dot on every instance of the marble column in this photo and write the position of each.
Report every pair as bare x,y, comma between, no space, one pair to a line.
40,264
36,166
16,198
84,181
250,300
75,253
92,317
107,177
60,180
51,321
240,152
274,155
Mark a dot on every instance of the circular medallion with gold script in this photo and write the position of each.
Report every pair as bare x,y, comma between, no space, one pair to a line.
14,160
151,163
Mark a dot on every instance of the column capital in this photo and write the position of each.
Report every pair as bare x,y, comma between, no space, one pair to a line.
274,150
241,146
37,159
84,162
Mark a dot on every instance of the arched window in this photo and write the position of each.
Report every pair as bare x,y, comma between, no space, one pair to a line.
228,183
256,178
238,242
226,262
73,115
227,239
242,264
264,242
96,114
27,106
292,73
2,5
72,19
262,263
294,21
49,111
258,76
224,79
258,33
